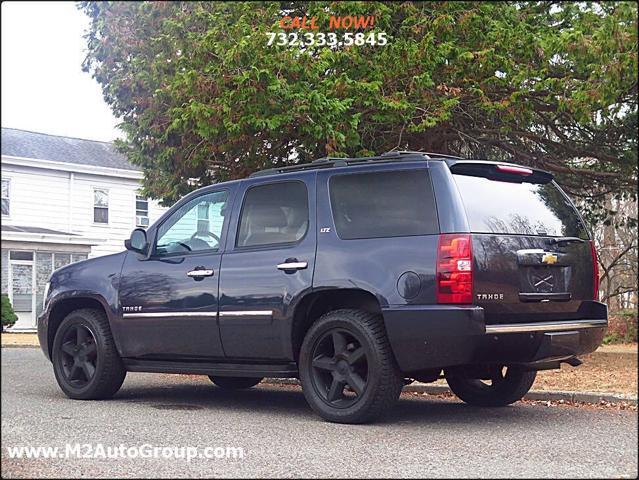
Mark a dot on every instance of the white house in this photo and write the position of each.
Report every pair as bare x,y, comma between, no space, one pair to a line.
63,200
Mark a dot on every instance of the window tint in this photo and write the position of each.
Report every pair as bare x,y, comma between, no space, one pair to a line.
518,208
383,204
195,226
272,214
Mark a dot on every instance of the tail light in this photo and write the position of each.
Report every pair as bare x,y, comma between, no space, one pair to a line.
595,271
454,269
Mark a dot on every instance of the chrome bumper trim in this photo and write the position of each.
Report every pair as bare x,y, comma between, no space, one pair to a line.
546,326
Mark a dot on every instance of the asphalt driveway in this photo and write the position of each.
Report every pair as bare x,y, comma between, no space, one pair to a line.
280,436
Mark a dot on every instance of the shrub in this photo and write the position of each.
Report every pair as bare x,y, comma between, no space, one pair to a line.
8,315
622,327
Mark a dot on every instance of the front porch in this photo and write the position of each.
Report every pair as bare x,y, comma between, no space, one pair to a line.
29,256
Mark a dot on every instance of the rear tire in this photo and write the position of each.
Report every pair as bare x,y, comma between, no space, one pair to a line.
503,389
235,383
86,363
347,369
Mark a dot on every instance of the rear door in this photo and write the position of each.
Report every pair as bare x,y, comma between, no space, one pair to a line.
532,256
268,265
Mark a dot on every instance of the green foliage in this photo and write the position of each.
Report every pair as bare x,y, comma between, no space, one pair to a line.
622,328
8,315
201,96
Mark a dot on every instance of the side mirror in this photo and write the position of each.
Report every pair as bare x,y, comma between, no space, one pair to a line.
137,242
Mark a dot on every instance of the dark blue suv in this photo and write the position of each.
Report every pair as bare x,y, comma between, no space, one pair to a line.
354,275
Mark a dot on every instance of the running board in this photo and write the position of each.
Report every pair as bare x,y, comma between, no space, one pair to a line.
283,370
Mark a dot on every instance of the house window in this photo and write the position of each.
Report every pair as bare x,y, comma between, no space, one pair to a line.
141,211
5,196
100,205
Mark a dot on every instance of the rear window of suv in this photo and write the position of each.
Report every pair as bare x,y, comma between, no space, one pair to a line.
383,204
518,208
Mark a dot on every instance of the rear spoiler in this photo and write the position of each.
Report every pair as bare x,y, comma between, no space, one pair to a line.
505,172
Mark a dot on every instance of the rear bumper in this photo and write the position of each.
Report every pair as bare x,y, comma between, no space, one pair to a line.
546,326
438,336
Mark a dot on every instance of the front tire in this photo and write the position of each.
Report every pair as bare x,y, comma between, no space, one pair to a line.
347,369
86,363
235,383
500,390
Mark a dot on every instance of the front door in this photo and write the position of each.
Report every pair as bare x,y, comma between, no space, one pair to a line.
21,288
169,301
267,266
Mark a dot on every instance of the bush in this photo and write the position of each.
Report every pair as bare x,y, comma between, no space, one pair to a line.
622,327
8,315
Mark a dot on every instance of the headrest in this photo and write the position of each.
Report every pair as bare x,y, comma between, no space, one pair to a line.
264,215
202,226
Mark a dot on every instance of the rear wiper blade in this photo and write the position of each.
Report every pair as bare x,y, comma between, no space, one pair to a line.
564,240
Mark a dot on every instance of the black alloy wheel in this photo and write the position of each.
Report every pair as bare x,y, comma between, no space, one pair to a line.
503,386
79,355
347,368
340,368
235,383
86,362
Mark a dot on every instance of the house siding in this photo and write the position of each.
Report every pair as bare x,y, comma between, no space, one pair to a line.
64,201
51,207
38,198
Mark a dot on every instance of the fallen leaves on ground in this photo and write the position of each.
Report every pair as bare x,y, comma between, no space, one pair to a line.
600,372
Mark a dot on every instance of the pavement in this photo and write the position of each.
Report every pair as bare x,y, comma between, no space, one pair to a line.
423,436
599,380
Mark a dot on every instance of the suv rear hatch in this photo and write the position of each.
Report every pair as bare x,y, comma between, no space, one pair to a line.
533,260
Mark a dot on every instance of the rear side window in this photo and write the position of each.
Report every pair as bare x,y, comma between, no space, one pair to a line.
383,204
273,213
518,208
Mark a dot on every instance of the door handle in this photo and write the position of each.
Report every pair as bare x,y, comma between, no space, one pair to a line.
198,274
292,264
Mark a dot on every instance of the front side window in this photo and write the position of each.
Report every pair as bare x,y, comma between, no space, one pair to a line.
6,184
100,205
272,214
195,226
383,204
141,211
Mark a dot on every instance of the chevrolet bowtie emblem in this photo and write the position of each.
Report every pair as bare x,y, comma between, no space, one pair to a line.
549,258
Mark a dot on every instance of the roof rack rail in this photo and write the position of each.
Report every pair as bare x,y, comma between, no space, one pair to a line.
395,153
427,154
444,155
328,159
315,164
328,162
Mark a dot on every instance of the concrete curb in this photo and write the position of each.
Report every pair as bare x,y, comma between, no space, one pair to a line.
19,345
538,395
